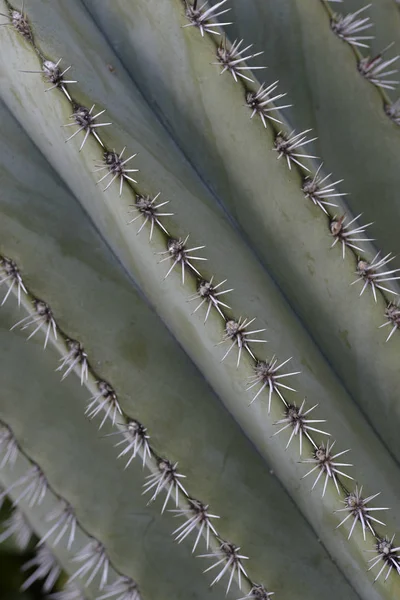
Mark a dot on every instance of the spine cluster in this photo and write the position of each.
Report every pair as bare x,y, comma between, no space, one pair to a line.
317,187
355,29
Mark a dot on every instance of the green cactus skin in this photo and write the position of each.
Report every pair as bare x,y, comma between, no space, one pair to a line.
108,211
385,17
355,138
290,235
163,399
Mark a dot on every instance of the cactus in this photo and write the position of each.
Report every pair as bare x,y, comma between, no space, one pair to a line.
216,410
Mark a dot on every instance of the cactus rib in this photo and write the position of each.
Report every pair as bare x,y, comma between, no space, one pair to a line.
47,567
163,474
230,57
126,331
358,232
372,68
288,144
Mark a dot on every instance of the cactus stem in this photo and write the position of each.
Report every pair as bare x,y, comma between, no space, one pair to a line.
76,356
43,316
94,560
47,568
200,518
166,477
228,554
348,237
34,487
259,101
374,69
392,313
93,555
65,520
207,293
236,331
387,553
371,68
16,525
145,207
179,254
287,144
315,189
267,373
11,274
325,461
231,59
200,18
105,399
116,167
369,273
295,417
348,27
135,437
86,122
123,587
356,506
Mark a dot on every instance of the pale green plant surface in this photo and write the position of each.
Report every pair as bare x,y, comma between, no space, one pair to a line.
159,393
356,139
92,301
289,233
